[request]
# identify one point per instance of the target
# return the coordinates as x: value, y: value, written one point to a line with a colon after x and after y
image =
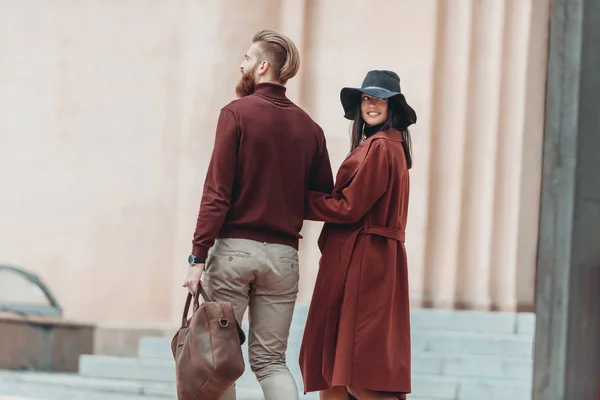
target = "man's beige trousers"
x: 262, y: 277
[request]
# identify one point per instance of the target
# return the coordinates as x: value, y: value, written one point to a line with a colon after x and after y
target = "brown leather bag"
x: 207, y: 350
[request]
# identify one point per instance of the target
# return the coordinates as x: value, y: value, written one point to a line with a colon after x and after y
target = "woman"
x: 357, y: 335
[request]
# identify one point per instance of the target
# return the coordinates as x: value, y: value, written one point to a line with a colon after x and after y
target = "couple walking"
x: 270, y: 171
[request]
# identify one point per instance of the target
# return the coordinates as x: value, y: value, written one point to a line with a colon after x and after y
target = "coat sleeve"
x: 368, y: 185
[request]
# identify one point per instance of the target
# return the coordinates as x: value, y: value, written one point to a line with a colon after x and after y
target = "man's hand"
x: 193, y: 277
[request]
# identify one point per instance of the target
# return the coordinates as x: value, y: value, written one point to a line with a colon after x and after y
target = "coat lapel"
x: 353, y: 162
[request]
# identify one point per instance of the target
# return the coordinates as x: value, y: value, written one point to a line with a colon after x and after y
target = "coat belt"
x: 337, y: 292
x: 390, y: 233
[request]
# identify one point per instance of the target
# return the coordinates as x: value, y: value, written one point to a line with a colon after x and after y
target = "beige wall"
x: 107, y: 116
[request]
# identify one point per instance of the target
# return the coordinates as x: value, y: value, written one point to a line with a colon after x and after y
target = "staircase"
x: 457, y: 355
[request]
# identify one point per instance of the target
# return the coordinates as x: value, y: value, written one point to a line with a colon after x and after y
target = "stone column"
x: 531, y: 168
x: 293, y: 25
x: 480, y: 153
x: 447, y: 143
x: 567, y: 342
x: 509, y: 151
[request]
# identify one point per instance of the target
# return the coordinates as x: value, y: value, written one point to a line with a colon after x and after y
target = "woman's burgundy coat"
x: 358, y: 328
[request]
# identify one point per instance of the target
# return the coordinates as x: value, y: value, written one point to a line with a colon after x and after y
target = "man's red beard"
x: 247, y: 84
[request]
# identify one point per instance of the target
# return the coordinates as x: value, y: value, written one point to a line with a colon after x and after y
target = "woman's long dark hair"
x: 396, y: 119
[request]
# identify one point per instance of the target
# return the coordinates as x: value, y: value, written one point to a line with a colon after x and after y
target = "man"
x: 268, y: 153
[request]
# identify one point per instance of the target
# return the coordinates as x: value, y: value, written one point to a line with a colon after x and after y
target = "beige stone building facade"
x: 107, y: 118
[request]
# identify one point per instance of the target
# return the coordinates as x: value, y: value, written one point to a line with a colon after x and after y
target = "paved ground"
x: 10, y: 391
x: 18, y: 398
x: 11, y: 388
x: 35, y: 392
x: 20, y: 385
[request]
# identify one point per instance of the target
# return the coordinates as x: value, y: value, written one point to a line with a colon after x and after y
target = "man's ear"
x: 263, y: 67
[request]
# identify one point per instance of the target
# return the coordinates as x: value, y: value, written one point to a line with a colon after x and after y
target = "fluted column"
x: 293, y: 25
x: 531, y: 171
x: 447, y: 143
x: 480, y: 153
x: 510, y: 146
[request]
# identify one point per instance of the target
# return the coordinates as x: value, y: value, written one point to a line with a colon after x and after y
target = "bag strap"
x: 203, y: 294
x: 196, y: 305
x: 200, y: 289
x: 184, y: 319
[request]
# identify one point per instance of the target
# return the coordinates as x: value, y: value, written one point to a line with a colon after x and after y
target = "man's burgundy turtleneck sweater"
x: 267, y: 154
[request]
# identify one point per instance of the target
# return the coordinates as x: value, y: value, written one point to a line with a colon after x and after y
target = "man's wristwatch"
x: 192, y: 260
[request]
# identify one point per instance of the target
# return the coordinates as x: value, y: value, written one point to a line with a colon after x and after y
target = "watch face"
x: 191, y: 259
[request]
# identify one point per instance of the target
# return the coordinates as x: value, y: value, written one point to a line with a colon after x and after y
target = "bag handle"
x: 200, y: 289
x: 184, y: 320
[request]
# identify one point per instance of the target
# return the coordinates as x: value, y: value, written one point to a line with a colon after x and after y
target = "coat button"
x: 230, y: 258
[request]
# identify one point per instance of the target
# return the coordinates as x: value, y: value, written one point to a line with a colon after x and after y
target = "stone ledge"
x: 10, y: 317
x: 43, y: 343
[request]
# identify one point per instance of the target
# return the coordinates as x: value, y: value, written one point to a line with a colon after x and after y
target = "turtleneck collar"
x: 272, y: 90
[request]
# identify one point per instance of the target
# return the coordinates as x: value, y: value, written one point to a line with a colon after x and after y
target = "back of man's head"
x: 281, y: 53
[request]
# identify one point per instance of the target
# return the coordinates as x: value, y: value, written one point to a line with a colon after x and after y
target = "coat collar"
x: 353, y: 162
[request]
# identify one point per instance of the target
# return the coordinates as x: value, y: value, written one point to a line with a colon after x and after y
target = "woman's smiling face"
x: 374, y: 111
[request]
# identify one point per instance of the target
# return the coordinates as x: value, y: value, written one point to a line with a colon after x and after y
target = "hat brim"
x: 350, y: 98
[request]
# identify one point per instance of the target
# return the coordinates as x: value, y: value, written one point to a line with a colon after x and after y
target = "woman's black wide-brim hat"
x: 380, y: 84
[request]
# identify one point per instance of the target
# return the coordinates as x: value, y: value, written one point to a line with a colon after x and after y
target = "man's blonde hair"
x: 281, y: 53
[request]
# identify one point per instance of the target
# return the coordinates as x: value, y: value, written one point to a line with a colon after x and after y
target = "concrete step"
x: 155, y: 347
x: 63, y: 386
x: 473, y: 366
x: 438, y: 331
x: 476, y: 343
x: 457, y: 355
x: 447, y: 320
x: 36, y: 381
x: 454, y: 320
x: 473, y: 321
x: 137, y: 369
x: 74, y: 387
x: 426, y: 387
x: 450, y: 365
x: 422, y: 341
x: 493, y: 389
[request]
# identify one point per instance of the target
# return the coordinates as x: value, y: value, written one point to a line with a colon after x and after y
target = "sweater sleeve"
x: 321, y: 177
x: 218, y: 185
x: 368, y: 185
